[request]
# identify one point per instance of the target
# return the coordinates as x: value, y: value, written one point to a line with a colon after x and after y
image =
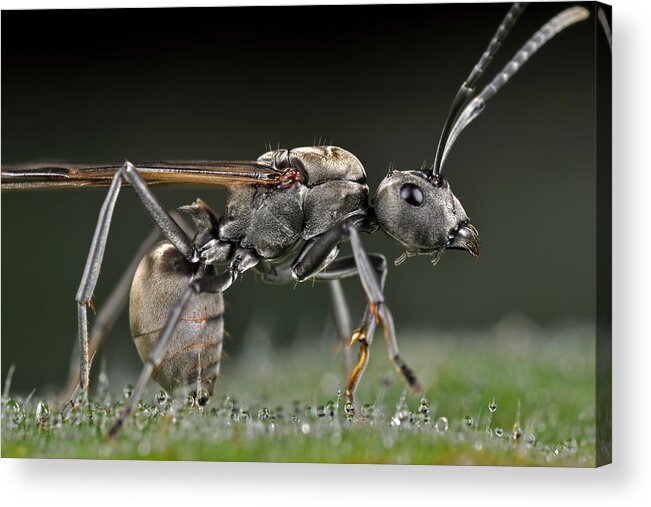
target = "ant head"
x: 423, y: 215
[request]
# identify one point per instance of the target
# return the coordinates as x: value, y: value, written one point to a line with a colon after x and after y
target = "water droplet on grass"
x: 305, y: 428
x: 517, y: 432
x: 492, y: 407
x: 245, y: 416
x: 12, y: 406
x: 441, y: 424
x: 467, y: 421
x: 162, y: 397
x: 203, y: 397
x: 263, y: 414
x: 499, y: 432
x: 127, y: 391
x: 188, y: 402
x: 320, y: 411
x: 570, y: 445
x: 228, y: 403
x: 42, y: 413
x: 530, y: 439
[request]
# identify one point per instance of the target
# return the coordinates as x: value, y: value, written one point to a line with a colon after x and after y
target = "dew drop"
x: 349, y: 409
x: 127, y: 391
x: 517, y: 432
x: 499, y: 432
x: 14, y: 410
x: 320, y: 411
x: 42, y: 413
x: 530, y: 439
x: 203, y: 397
x: 330, y: 408
x: 162, y: 397
x: 245, y: 416
x: 263, y: 414
x: 570, y: 445
x: 367, y: 410
x: 441, y: 424
x: 12, y: 406
x: 189, y: 401
x: 492, y: 407
x: 467, y: 421
x: 228, y: 403
x: 305, y: 428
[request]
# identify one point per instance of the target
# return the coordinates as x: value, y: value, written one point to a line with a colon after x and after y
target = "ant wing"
x: 224, y: 173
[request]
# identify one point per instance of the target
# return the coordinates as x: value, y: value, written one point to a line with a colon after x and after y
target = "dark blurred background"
x: 107, y: 85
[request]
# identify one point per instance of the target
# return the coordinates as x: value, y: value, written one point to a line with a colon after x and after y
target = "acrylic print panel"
x: 503, y: 353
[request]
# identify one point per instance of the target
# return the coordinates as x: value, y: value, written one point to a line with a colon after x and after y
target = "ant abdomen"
x: 194, y: 352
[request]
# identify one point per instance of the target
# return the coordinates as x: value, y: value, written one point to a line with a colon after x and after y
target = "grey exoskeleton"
x: 286, y: 215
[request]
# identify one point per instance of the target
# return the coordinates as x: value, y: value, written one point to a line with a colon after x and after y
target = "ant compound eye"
x: 412, y: 194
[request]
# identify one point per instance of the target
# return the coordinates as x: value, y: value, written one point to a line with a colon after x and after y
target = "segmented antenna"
x: 468, y: 87
x: 477, y: 105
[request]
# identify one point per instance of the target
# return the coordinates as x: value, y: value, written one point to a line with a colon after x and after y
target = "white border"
x: 627, y: 482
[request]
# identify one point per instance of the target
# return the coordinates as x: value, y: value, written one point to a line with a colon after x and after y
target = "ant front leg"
x: 169, y: 229
x: 374, y: 291
x: 372, y: 271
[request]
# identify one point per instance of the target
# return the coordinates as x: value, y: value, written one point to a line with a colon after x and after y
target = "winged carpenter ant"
x: 286, y: 215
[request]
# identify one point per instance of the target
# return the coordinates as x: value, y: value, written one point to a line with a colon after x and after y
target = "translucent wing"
x: 224, y: 173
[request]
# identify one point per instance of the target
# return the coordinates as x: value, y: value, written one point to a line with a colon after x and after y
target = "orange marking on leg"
x: 373, y: 308
x: 357, y: 370
x: 358, y: 335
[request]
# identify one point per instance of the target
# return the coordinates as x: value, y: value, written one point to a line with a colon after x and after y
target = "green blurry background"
x: 106, y: 85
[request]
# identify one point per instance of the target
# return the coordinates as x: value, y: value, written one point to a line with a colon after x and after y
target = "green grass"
x: 542, y: 384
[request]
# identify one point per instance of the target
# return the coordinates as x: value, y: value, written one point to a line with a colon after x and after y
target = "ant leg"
x: 344, y: 268
x: 108, y: 314
x: 106, y: 318
x: 168, y: 227
x: 341, y: 316
x: 372, y: 270
x: 373, y: 288
x: 207, y: 284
